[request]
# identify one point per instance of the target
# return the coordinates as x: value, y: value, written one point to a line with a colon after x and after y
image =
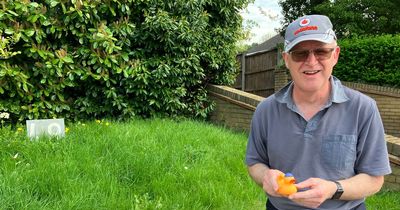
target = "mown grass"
x: 384, y: 200
x: 142, y: 164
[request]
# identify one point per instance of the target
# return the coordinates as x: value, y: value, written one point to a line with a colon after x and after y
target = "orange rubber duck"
x: 286, y: 184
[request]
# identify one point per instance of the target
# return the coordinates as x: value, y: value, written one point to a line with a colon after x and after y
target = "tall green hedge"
x: 371, y: 60
x: 84, y: 59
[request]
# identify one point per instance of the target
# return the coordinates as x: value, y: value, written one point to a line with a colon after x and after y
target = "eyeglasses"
x: 319, y: 53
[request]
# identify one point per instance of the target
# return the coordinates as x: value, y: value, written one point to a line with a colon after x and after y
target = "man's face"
x: 310, y: 71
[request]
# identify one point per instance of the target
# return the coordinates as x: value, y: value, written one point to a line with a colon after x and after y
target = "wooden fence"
x: 257, y: 72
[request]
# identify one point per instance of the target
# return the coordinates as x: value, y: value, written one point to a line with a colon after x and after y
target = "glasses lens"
x: 319, y: 53
x: 323, y: 53
x: 299, y: 55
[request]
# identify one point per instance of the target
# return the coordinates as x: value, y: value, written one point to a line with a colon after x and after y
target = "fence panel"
x: 259, y: 77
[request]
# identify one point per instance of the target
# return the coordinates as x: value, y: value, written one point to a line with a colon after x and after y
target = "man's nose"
x: 311, y: 59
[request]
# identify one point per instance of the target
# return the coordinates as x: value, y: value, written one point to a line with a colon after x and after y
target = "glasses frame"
x: 304, y: 54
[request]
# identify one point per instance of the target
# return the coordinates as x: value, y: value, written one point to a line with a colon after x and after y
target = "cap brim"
x: 325, y: 38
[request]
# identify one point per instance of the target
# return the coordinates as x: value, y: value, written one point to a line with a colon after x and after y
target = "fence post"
x: 243, y: 71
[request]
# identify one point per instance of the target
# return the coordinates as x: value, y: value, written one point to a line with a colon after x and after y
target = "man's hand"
x: 269, y: 183
x: 315, y: 192
x: 265, y: 178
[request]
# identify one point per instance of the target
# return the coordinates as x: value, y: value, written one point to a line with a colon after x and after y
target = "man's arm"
x: 360, y: 186
x: 319, y: 190
x: 257, y: 172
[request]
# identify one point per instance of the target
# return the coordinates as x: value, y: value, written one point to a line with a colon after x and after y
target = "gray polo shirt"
x: 345, y: 138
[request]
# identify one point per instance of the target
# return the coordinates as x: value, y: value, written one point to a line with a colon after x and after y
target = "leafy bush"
x: 116, y: 58
x: 372, y: 60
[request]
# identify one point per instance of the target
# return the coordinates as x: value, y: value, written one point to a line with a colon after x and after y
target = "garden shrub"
x: 81, y: 59
x: 370, y: 59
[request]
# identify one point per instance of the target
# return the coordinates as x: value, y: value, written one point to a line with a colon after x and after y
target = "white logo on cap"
x: 304, y: 22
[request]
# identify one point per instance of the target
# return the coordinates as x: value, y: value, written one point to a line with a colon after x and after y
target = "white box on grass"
x: 47, y: 127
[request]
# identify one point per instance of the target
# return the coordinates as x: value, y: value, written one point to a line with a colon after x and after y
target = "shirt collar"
x: 337, y: 93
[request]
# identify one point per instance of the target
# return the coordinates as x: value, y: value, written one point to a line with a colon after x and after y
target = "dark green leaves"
x: 372, y: 59
x: 93, y: 59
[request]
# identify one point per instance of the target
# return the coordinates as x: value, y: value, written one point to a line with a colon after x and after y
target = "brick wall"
x: 393, y: 180
x: 235, y: 108
x: 282, y: 77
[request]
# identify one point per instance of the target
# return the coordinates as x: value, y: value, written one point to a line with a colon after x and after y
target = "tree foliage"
x: 82, y: 59
x: 349, y: 17
x: 292, y: 9
x: 363, y: 17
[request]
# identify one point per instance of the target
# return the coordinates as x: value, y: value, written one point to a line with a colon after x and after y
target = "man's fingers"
x: 301, y: 195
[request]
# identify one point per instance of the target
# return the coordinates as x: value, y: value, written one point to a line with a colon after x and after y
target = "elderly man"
x: 331, y: 138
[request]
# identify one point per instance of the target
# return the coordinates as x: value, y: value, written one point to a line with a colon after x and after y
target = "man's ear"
x: 285, y: 57
x: 337, y: 53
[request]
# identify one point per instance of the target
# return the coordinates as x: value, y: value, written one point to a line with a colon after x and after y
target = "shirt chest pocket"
x: 339, y: 151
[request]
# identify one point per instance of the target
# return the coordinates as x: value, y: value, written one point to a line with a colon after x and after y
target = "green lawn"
x: 142, y: 164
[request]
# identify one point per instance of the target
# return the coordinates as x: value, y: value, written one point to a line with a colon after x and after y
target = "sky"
x: 267, y: 14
